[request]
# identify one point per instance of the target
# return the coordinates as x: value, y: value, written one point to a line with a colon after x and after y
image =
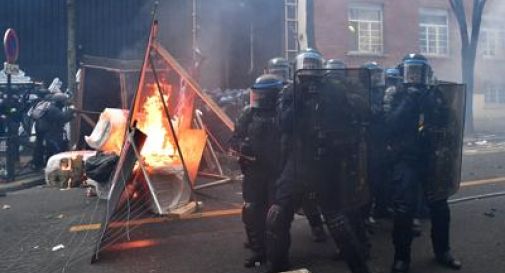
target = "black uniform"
x: 308, y: 202
x: 316, y: 171
x: 406, y: 109
x: 257, y: 140
x: 378, y: 162
x: 49, y: 128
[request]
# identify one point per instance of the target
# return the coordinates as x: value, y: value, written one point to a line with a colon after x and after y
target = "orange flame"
x: 159, y: 150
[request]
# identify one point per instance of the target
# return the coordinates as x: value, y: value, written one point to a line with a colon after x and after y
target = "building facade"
x: 359, y: 31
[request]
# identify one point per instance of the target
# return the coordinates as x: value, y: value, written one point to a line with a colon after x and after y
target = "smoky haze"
x: 236, y: 38
x: 488, y: 69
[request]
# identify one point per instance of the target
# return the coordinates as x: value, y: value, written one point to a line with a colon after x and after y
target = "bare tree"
x: 469, y: 43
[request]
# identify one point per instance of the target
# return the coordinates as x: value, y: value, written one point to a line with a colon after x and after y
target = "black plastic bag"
x: 100, y: 166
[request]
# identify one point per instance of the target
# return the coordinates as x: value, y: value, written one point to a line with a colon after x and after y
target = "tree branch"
x: 459, y: 11
x: 478, y: 9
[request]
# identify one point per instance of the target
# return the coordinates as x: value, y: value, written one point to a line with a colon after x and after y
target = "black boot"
x: 257, y: 246
x: 255, y: 259
x: 400, y: 266
x: 402, y: 240
x: 447, y: 260
x: 277, y: 268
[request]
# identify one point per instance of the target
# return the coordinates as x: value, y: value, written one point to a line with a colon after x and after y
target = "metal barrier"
x: 20, y: 161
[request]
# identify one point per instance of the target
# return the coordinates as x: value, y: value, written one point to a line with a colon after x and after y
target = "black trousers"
x: 48, y: 144
x: 311, y: 209
x: 257, y: 193
x: 345, y: 226
x: 406, y: 190
x: 39, y: 160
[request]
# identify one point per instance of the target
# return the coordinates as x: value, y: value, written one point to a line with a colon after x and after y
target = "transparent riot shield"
x: 442, y: 137
x: 331, y: 116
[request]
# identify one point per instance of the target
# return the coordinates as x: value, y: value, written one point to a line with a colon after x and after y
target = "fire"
x: 159, y: 150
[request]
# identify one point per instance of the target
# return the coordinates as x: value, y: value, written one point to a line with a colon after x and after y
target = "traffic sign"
x: 11, y: 46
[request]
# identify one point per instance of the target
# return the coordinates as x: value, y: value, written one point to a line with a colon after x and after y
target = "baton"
x: 79, y: 111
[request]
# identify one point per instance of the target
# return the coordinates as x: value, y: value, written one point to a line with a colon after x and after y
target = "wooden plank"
x: 194, y: 85
x: 88, y: 120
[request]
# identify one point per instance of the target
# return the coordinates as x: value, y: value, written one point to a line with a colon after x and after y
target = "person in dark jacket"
x: 256, y: 141
x: 308, y: 205
x: 50, y: 118
x: 405, y: 110
x: 310, y: 164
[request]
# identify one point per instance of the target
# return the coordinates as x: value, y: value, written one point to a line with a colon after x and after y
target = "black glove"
x: 273, y: 213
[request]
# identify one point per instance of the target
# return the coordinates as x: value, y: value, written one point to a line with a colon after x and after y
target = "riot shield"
x: 442, y: 137
x: 331, y: 116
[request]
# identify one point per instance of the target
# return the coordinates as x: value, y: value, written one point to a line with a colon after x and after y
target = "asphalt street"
x: 49, y: 230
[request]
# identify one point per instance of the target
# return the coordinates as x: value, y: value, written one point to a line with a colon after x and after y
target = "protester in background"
x: 50, y: 116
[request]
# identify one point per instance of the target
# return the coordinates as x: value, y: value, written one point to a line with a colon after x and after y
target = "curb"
x: 25, y: 183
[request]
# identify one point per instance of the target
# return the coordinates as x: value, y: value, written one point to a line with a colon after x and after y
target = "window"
x: 494, y: 93
x: 365, y: 28
x: 492, y: 35
x: 291, y: 29
x: 434, y: 32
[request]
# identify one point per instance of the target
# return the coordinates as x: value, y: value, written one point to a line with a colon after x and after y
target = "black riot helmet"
x: 376, y: 74
x: 279, y: 66
x: 392, y: 76
x: 309, y: 59
x: 264, y: 92
x: 416, y: 70
x: 334, y: 64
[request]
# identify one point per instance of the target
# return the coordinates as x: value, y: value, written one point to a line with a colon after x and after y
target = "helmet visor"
x: 415, y: 73
x: 263, y: 99
x: 282, y: 72
x: 308, y: 61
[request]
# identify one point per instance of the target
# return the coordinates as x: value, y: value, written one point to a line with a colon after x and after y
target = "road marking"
x: 80, y: 228
x: 230, y: 212
x: 483, y: 182
x: 154, y: 220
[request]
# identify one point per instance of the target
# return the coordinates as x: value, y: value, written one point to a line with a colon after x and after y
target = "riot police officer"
x: 334, y: 64
x: 392, y: 77
x: 310, y: 165
x: 280, y: 66
x: 256, y: 139
x: 406, y: 111
x: 50, y: 118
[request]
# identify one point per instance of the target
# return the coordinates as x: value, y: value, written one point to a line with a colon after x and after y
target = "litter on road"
x: 58, y: 247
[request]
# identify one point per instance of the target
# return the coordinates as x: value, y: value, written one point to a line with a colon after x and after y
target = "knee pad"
x: 249, y: 213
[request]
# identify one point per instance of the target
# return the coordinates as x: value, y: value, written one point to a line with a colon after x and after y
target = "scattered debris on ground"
x: 58, y: 247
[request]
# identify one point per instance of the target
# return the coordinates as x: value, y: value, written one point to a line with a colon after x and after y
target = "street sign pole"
x: 11, y: 47
x: 11, y: 135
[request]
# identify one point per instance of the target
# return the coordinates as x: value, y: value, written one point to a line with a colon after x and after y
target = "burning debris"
x: 159, y: 151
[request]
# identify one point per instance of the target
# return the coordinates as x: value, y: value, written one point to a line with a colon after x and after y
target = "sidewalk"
x: 23, y: 182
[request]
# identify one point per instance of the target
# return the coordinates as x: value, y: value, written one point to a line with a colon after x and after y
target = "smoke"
x: 493, y: 30
x: 138, y: 24
x: 489, y: 83
x: 235, y: 38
